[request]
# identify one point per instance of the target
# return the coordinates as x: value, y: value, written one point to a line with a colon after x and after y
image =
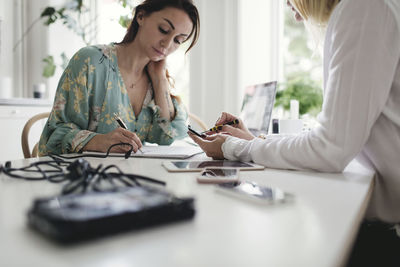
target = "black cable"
x: 79, y: 176
x: 8, y: 170
x: 127, y: 154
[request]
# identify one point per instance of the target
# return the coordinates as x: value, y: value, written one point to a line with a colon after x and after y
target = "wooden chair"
x: 25, y: 135
x: 197, y: 120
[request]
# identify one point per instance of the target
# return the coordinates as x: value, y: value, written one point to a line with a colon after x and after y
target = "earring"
x: 139, y: 17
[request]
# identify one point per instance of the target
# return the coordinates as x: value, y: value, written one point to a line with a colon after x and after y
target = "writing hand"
x: 102, y: 142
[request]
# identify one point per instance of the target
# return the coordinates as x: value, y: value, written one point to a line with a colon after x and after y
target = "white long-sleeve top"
x: 361, y: 111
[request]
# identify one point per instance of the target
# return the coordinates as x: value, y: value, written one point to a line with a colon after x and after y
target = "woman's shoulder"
x: 93, y: 52
x: 84, y: 53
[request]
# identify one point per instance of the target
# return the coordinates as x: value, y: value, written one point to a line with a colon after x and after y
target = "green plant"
x: 303, y: 89
x: 125, y: 20
x: 302, y: 69
x: 71, y: 15
x: 50, y: 68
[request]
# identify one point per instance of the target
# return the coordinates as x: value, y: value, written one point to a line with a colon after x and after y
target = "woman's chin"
x: 156, y: 58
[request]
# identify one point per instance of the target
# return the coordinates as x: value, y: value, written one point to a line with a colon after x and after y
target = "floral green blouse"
x: 91, y: 90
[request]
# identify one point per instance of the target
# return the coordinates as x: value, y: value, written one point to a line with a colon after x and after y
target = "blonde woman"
x: 360, y: 115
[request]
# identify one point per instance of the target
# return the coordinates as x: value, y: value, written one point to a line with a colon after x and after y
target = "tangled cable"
x: 79, y: 176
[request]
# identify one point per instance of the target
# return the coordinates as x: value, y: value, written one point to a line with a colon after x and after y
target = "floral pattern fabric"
x: 91, y: 90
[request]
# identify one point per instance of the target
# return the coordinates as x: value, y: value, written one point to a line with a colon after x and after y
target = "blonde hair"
x: 317, y: 12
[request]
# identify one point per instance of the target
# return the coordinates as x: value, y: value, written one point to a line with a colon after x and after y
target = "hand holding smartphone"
x: 216, y: 175
x: 201, y: 135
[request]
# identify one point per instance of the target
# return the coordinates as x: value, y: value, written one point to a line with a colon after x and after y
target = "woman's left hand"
x: 211, y: 144
x: 156, y: 70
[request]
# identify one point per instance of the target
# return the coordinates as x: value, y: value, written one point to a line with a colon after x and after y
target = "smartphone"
x: 199, y: 165
x: 254, y: 192
x: 218, y: 175
x: 72, y: 218
x: 201, y: 135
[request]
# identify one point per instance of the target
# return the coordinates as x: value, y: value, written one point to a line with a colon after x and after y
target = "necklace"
x: 125, y: 74
x: 133, y: 85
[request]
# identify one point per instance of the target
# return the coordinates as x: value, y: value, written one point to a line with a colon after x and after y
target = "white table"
x: 317, y: 229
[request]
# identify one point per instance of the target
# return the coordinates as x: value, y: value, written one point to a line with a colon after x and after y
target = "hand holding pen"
x: 231, y: 125
x: 218, y: 127
x: 228, y: 119
x: 128, y: 135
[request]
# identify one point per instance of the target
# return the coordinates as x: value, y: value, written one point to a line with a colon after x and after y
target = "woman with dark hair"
x: 127, y: 79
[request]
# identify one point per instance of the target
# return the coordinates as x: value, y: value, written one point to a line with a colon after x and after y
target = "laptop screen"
x: 257, y: 107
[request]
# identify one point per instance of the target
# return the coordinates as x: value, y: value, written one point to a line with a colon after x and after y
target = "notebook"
x: 159, y: 151
x: 168, y: 152
x: 257, y: 107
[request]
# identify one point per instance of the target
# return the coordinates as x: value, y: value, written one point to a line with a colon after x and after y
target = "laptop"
x: 257, y: 106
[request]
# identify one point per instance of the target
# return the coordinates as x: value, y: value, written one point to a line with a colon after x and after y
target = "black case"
x: 72, y: 218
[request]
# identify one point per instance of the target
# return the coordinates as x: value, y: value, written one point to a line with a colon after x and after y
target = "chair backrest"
x: 197, y: 120
x: 25, y: 135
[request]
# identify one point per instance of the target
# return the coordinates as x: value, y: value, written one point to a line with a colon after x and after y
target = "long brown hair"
x: 150, y: 6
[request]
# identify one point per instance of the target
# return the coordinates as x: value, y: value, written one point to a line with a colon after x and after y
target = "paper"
x: 164, y: 152
x: 168, y: 152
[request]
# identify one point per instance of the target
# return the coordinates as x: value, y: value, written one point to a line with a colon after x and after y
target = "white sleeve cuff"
x: 236, y: 149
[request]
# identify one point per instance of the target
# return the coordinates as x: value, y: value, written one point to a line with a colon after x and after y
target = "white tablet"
x: 191, y: 166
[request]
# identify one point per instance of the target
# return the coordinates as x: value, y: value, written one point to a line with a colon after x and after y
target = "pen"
x: 122, y: 124
x: 219, y: 127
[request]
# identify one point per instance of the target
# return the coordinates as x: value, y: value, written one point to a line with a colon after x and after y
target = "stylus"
x: 219, y: 127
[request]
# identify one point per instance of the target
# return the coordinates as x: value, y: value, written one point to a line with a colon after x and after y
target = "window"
x: 302, y: 68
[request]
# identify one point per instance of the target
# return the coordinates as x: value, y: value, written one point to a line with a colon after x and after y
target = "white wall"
x: 238, y: 46
x: 214, y: 61
x: 24, y: 64
x: 6, y: 34
x: 260, y: 32
x: 22, y: 53
x: 67, y: 42
x: 36, y: 46
x: 7, y: 38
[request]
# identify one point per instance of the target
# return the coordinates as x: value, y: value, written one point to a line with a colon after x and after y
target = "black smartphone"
x: 71, y: 218
x: 201, y: 135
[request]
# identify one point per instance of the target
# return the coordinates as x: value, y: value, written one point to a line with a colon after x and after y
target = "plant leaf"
x: 65, y: 60
x: 124, y: 21
x: 303, y: 89
x: 48, y: 11
x: 49, y: 68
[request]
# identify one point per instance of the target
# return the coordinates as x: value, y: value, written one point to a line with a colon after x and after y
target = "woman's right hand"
x: 237, y: 130
x: 102, y: 142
